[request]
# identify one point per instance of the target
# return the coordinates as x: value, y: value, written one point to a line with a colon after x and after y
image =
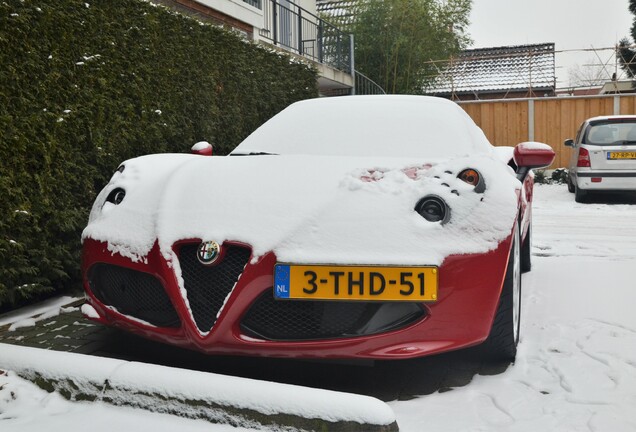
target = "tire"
x: 580, y: 195
x: 570, y: 185
x: 526, y: 252
x: 501, y: 344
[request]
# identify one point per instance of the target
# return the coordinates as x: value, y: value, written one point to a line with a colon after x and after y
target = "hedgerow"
x: 86, y: 84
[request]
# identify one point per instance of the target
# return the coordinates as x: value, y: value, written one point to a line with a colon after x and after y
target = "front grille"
x: 207, y: 287
x: 310, y: 320
x: 133, y: 293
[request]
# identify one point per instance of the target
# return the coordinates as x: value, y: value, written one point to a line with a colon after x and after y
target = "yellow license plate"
x: 360, y: 283
x: 621, y: 155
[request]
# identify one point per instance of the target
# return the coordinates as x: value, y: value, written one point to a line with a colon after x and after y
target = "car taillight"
x: 584, y: 158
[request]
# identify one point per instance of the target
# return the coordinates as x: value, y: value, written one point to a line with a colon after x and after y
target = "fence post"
x: 530, y: 119
x: 352, y: 62
x: 275, y: 21
x: 319, y: 41
x: 300, y: 32
x: 338, y: 50
x: 617, y: 105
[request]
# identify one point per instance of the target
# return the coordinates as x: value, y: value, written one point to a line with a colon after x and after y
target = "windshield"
x: 614, y: 132
x: 384, y: 126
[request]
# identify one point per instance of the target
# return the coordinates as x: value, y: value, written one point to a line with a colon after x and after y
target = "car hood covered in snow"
x: 306, y: 209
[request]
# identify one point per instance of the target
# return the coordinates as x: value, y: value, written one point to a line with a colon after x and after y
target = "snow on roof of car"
x: 383, y: 125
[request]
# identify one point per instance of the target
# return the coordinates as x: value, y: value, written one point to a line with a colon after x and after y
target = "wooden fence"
x: 507, y: 122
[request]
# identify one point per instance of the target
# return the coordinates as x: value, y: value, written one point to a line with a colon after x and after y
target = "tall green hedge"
x: 86, y: 84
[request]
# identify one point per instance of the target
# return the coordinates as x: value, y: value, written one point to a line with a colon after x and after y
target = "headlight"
x: 116, y: 196
x: 433, y: 209
x: 472, y: 177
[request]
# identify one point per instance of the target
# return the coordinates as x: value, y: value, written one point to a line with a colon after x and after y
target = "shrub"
x: 540, y: 177
x: 86, y: 84
x: 557, y: 176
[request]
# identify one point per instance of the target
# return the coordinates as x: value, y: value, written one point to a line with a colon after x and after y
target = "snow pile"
x: 24, y: 407
x: 190, y: 393
x: 30, y: 315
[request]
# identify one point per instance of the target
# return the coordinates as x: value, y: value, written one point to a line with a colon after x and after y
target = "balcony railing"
x: 363, y: 85
x: 293, y: 28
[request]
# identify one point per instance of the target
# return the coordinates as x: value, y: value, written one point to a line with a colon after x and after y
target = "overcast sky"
x: 570, y: 24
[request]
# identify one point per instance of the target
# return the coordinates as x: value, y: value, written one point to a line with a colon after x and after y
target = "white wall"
x: 238, y: 9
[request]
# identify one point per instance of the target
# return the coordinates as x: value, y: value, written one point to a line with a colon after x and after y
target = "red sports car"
x: 378, y: 227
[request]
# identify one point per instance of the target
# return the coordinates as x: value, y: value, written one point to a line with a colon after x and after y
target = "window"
x: 612, y: 132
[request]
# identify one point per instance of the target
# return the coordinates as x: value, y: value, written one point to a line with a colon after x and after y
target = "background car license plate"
x: 364, y: 283
x: 621, y: 155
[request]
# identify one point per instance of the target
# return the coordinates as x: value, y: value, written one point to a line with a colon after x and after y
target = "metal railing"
x: 297, y: 30
x: 363, y: 85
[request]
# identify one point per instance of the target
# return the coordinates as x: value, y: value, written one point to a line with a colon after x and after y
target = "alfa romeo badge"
x: 208, y: 252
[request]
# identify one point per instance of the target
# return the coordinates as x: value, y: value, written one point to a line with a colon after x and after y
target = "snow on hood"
x: 306, y: 209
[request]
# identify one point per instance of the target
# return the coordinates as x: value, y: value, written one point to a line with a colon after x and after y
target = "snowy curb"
x: 198, y: 395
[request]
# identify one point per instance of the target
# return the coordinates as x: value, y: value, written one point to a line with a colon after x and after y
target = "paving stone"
x: 91, y: 347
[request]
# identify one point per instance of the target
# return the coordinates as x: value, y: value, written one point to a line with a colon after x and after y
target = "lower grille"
x: 207, y: 287
x: 310, y: 320
x: 133, y: 293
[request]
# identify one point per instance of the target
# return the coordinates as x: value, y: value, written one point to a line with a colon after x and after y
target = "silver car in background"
x: 604, y: 156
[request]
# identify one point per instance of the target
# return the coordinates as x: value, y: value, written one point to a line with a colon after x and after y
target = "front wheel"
x: 501, y: 344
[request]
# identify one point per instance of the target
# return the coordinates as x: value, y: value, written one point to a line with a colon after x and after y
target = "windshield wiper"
x: 254, y: 154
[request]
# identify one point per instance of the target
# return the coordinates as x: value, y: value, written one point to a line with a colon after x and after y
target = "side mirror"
x: 531, y: 155
x: 202, y: 148
x: 569, y: 143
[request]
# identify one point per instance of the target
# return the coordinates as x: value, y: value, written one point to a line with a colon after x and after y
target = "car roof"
x: 381, y: 125
x: 611, y: 117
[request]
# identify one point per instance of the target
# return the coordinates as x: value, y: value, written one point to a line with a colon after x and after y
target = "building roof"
x: 495, y: 70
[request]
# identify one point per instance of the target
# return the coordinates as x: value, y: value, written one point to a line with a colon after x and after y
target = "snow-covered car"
x: 380, y: 227
x: 603, y: 156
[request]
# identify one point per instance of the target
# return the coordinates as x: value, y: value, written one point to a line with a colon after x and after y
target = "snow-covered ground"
x: 576, y: 367
x: 30, y: 315
x: 26, y: 408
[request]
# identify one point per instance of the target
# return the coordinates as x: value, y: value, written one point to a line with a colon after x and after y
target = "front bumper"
x: 469, y: 289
